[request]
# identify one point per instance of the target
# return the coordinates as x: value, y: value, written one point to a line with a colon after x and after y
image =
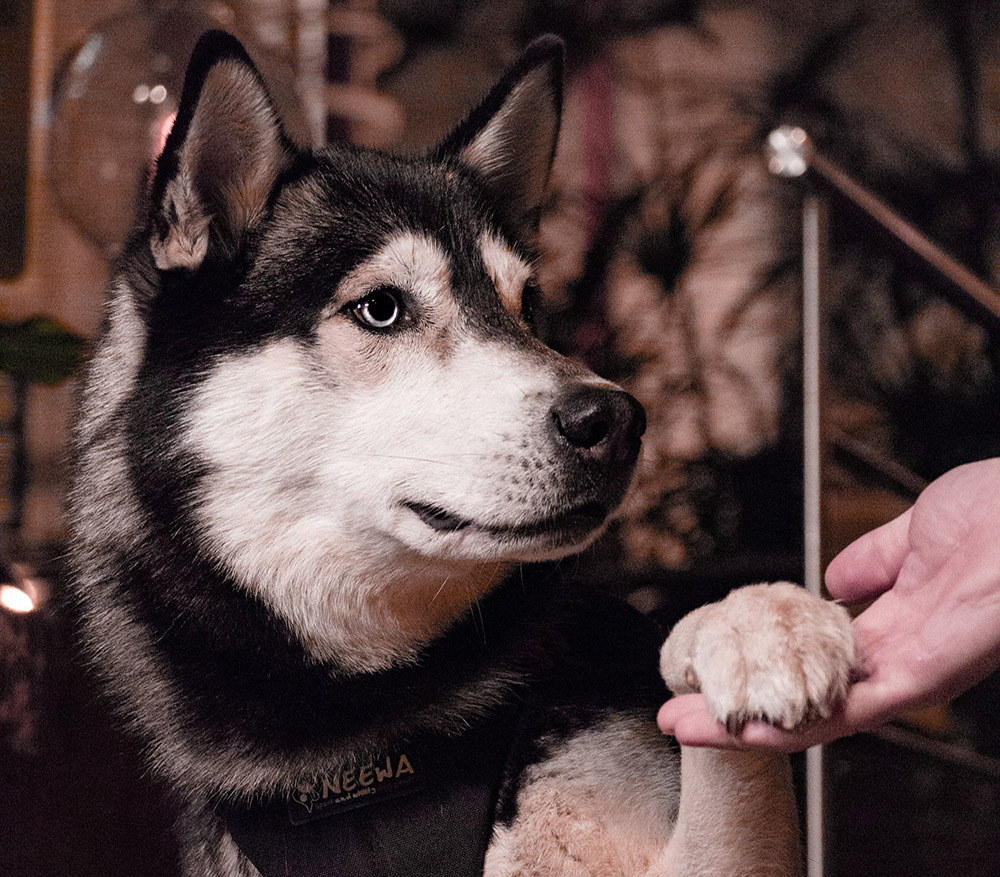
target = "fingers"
x: 687, y: 719
x: 869, y: 565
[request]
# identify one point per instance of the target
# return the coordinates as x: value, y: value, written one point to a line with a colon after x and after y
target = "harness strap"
x: 425, y: 810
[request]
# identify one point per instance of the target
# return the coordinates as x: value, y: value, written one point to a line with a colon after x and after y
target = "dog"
x: 322, y: 467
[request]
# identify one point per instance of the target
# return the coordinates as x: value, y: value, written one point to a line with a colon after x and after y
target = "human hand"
x: 932, y: 632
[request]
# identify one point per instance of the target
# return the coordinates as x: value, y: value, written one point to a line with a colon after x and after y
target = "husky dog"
x: 317, y: 438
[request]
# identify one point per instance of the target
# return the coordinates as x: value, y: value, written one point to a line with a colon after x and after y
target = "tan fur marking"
x: 507, y: 270
x: 424, y: 604
x: 737, y: 816
x: 410, y: 262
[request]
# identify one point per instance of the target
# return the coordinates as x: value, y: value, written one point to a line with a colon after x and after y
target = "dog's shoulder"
x: 590, y: 777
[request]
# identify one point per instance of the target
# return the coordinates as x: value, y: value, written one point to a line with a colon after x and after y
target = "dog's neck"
x: 362, y: 627
x: 272, y: 711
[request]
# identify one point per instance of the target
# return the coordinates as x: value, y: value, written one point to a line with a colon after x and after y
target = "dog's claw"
x: 735, y: 725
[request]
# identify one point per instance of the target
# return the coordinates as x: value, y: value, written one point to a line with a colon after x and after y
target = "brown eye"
x: 382, y: 308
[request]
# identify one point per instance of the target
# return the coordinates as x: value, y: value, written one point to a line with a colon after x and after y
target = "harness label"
x: 389, y: 777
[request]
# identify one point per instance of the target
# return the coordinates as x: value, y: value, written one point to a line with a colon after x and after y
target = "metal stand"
x: 791, y: 154
x: 788, y: 150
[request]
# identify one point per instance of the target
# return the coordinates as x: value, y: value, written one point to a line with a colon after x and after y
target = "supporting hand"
x: 932, y: 631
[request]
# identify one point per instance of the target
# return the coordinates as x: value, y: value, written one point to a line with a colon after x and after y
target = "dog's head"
x: 338, y: 366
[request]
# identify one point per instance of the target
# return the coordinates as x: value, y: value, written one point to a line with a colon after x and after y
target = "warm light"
x: 789, y: 151
x: 16, y: 600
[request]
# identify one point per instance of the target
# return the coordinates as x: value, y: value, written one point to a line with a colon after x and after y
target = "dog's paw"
x: 770, y: 652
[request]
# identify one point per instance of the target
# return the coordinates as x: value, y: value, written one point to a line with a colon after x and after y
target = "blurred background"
x: 672, y: 263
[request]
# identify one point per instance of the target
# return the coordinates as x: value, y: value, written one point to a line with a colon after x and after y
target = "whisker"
x: 373, y: 454
x: 482, y: 621
x: 439, y: 590
x: 477, y: 612
x: 482, y: 455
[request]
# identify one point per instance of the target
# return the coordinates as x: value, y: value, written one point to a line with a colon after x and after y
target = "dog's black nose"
x: 605, y: 423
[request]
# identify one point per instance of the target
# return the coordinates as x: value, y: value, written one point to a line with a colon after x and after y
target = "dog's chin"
x: 547, y: 537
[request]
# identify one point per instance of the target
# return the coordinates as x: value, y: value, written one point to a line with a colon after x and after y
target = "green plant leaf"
x: 39, y: 351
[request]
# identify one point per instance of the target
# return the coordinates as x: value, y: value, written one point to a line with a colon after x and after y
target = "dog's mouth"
x: 566, y: 525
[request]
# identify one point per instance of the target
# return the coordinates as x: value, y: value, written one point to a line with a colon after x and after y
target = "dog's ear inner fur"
x: 223, y: 156
x: 509, y: 140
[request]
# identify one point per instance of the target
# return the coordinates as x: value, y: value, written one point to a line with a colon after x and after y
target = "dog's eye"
x: 382, y: 308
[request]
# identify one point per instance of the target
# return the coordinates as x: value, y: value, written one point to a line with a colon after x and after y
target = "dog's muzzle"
x: 596, y: 433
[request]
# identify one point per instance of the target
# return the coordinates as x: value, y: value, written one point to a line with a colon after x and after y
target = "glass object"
x: 113, y: 102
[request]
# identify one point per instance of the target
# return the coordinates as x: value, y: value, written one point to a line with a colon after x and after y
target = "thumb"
x: 870, y: 564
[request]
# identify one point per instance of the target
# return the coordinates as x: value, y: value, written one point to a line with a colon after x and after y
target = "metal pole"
x: 812, y: 473
x: 789, y: 153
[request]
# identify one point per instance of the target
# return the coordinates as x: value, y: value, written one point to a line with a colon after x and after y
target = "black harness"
x: 424, y: 810
x: 427, y: 809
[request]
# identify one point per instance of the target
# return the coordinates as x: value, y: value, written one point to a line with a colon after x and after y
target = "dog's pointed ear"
x: 219, y: 165
x: 509, y: 140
